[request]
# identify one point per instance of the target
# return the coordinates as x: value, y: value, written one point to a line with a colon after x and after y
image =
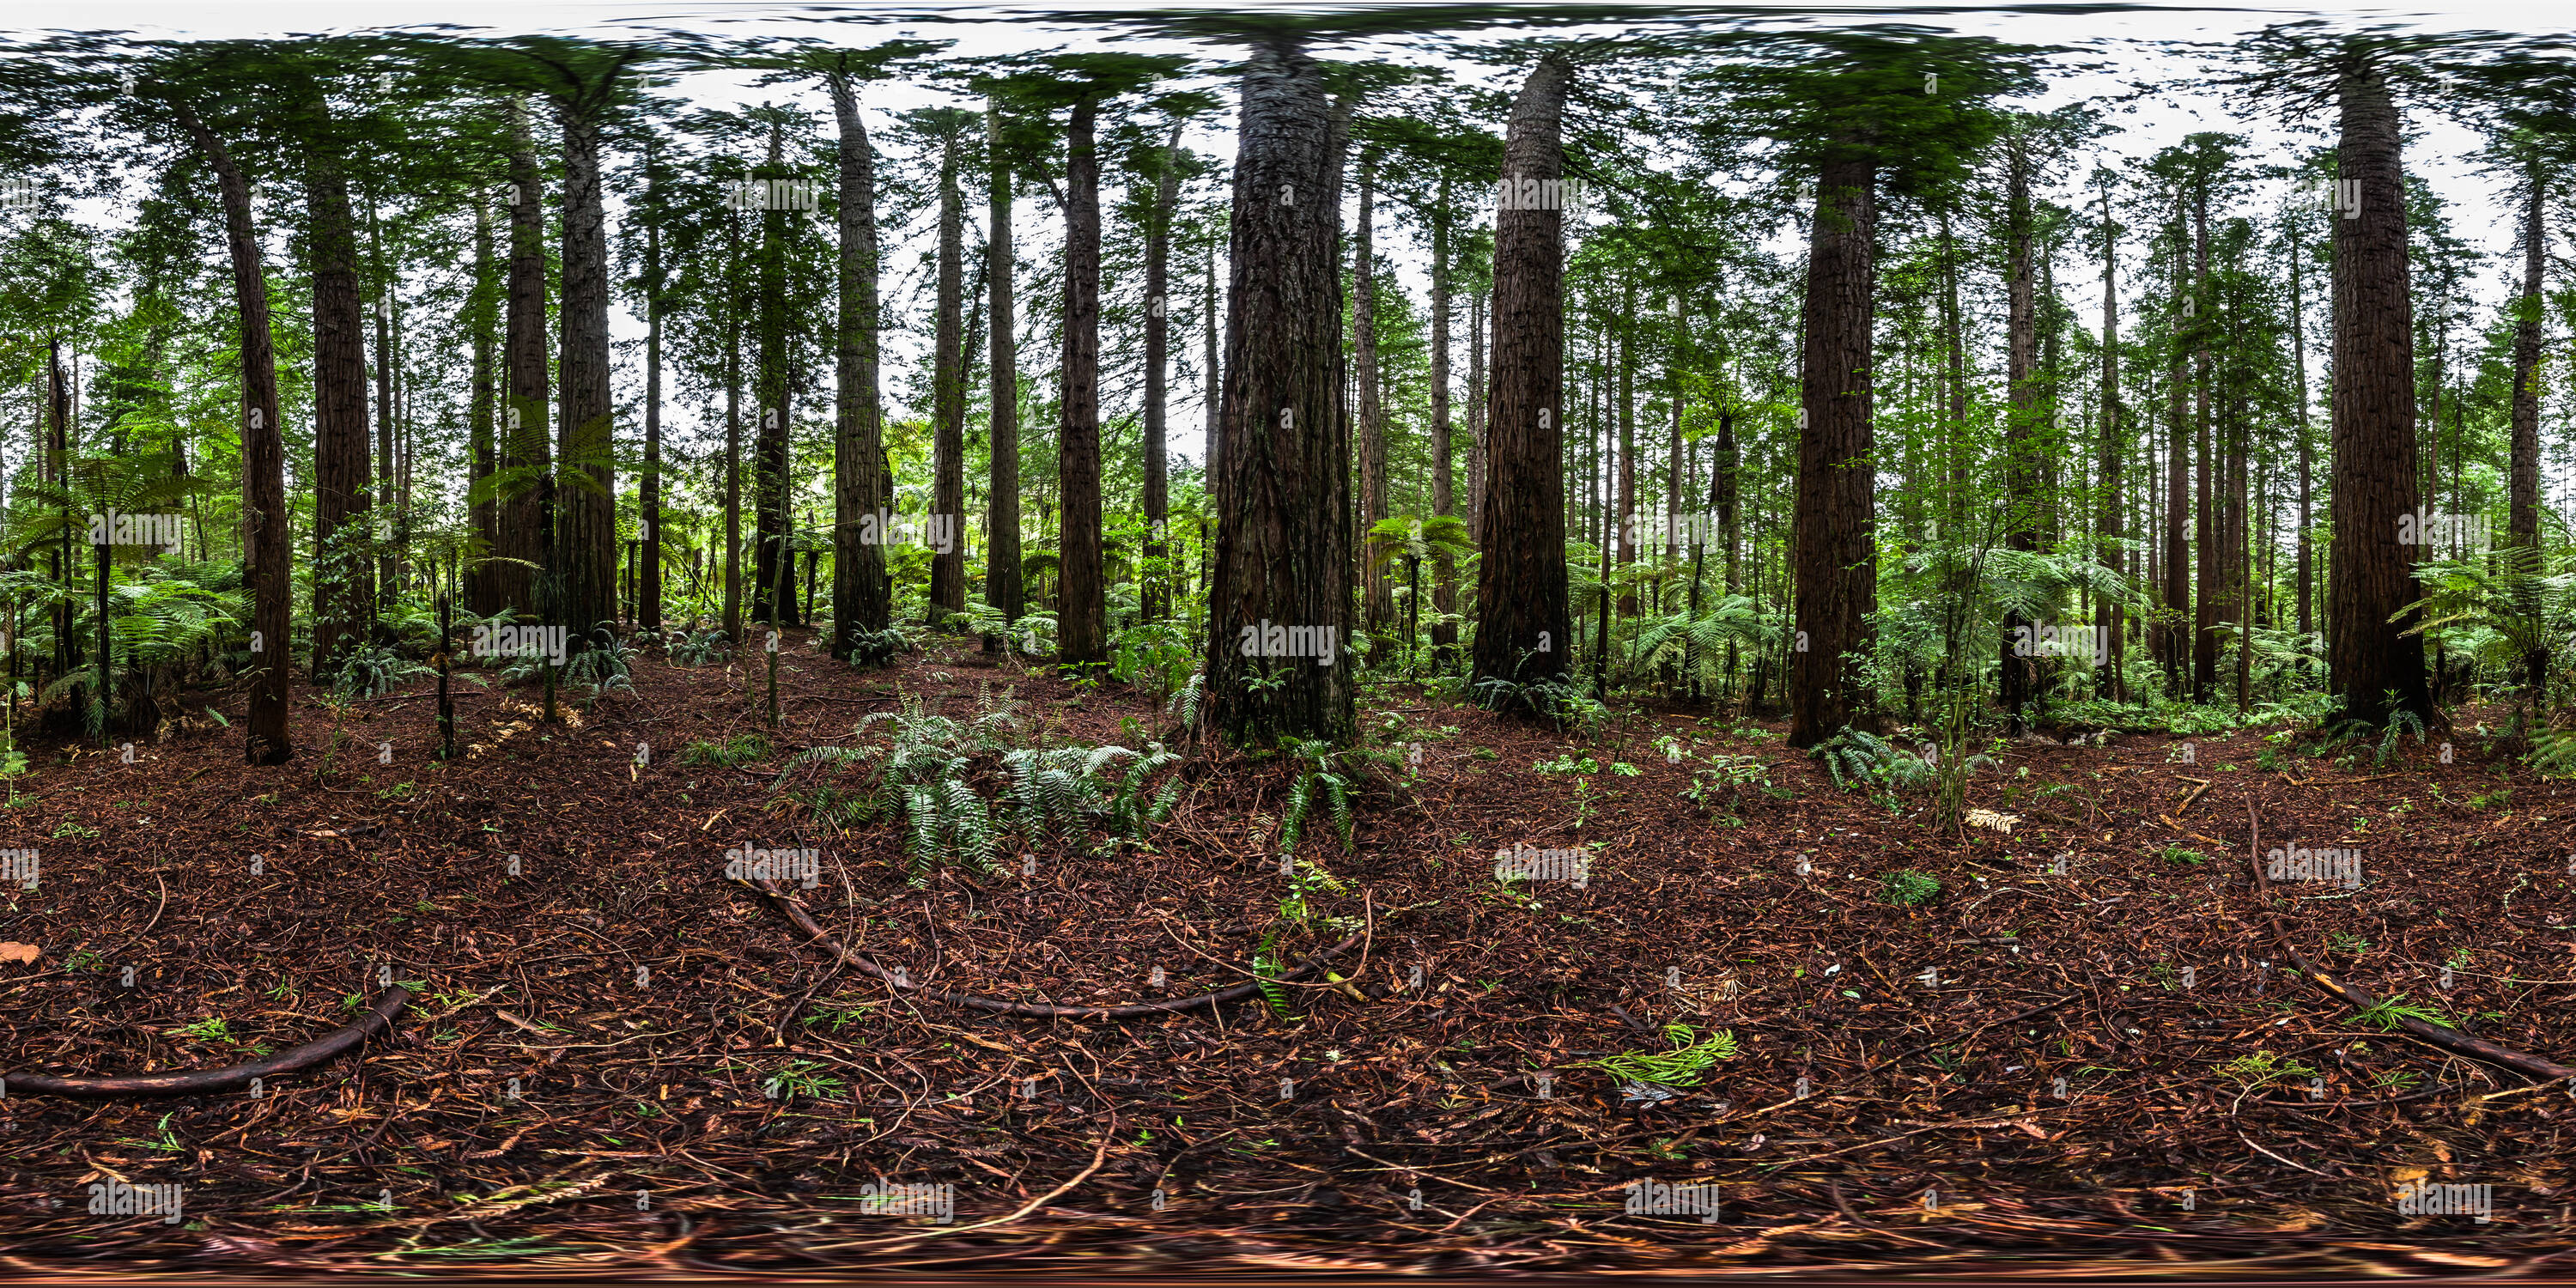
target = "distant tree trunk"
x: 1627, y: 451
x: 1524, y: 622
x: 948, y: 388
x: 2021, y: 383
x: 526, y: 491
x: 1212, y: 380
x: 2109, y: 623
x: 2206, y: 538
x: 1836, y: 562
x: 2374, y: 666
x: 586, y: 471
x: 387, y: 363
x: 1377, y: 596
x: 773, y: 593
x: 267, y: 534
x: 1444, y: 581
x: 1158, y: 281
x: 2299, y: 348
x: 1082, y: 626
x: 2522, y: 522
x: 648, y: 591
x: 481, y: 596
x: 341, y: 588
x: 1675, y: 478
x: 1002, y: 581
x: 859, y: 599
x: 2177, y: 562
x: 1283, y: 559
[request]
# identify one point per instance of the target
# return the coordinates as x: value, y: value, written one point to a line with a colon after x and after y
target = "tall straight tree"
x: 481, y: 317
x: 861, y: 598
x: 1524, y: 620
x: 342, y: 591
x: 648, y: 592
x: 267, y: 525
x: 947, y: 128
x: 1377, y: 596
x: 585, y: 556
x: 1283, y: 558
x: 524, y: 481
x: 1444, y: 594
x: 2022, y: 501
x: 2372, y: 661
x: 2109, y: 622
x: 1164, y: 165
x: 1002, y: 582
x: 773, y: 596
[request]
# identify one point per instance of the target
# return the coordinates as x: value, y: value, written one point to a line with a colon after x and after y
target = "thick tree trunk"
x: 2371, y: 662
x: 859, y: 600
x: 1002, y: 582
x: 1283, y: 559
x: 526, y: 515
x: 948, y: 390
x: 586, y: 471
x: 1837, y: 565
x: 342, y: 590
x: 267, y: 532
x: 1082, y: 626
x: 1524, y: 623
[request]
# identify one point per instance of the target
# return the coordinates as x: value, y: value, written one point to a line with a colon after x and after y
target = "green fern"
x: 1684, y: 1065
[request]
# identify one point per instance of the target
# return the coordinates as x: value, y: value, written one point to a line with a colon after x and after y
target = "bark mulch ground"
x: 2085, y: 1054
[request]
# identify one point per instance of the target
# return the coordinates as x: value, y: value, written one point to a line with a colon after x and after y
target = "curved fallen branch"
x: 2359, y: 998
x: 813, y: 929
x: 321, y: 1050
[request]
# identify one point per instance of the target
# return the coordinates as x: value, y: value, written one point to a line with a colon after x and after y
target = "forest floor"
x: 700, y: 1087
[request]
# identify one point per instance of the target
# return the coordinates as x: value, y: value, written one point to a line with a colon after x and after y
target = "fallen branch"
x: 2359, y: 998
x: 321, y: 1050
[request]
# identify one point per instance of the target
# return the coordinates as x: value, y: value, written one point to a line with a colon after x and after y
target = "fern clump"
x: 1319, y: 781
x: 1859, y: 758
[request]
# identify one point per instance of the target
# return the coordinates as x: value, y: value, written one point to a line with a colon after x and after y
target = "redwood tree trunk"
x: 1377, y: 594
x: 773, y: 591
x: 1283, y: 557
x: 525, y: 495
x: 2021, y: 467
x: 1082, y: 627
x: 1524, y: 624
x: 480, y: 595
x: 267, y: 536
x: 2109, y: 622
x: 2372, y: 577
x: 1837, y: 566
x: 648, y: 592
x: 1158, y: 280
x: 341, y: 587
x: 1444, y: 578
x: 859, y: 600
x: 586, y: 496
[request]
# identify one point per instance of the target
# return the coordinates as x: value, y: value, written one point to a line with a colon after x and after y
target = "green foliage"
x: 733, y: 753
x: 1319, y: 780
x: 1156, y: 657
x: 2261, y: 1069
x: 1696, y: 646
x: 877, y: 648
x: 1908, y: 888
x: 1859, y: 758
x: 1689, y: 1060
x: 2391, y: 1013
x: 372, y: 670
x: 700, y: 648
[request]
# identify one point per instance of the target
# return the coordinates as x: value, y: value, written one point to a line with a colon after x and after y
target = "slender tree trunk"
x: 2205, y: 524
x: 1628, y: 447
x: 2021, y: 424
x: 2371, y: 662
x: 1444, y: 577
x: 340, y: 456
x: 526, y: 489
x: 648, y: 591
x: 382, y: 601
x: 1082, y: 627
x: 2299, y: 348
x: 1477, y: 469
x: 267, y: 528
x: 1524, y: 627
x: 1836, y: 562
x: 2177, y: 569
x: 1158, y: 283
x: 481, y: 596
x: 948, y: 389
x: 1002, y: 582
x: 2522, y: 522
x: 859, y: 599
x: 773, y: 593
x: 1377, y: 596
x: 1283, y: 549
x: 2109, y: 622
